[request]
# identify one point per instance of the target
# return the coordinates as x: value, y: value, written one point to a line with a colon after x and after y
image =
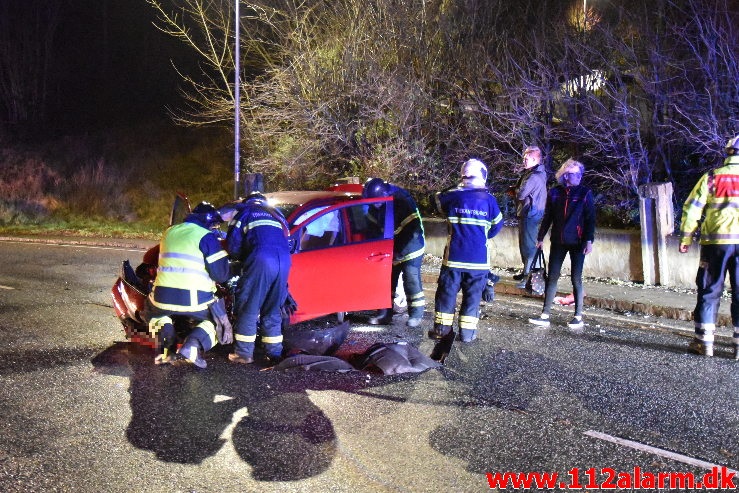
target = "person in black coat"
x: 570, y: 213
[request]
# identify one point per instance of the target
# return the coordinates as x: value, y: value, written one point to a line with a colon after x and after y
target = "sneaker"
x: 576, y: 323
x: 700, y: 348
x: 413, y: 322
x: 520, y: 276
x: 240, y: 360
x: 542, y: 320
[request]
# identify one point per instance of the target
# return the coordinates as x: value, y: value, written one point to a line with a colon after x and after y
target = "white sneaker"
x: 542, y: 320
x: 576, y: 323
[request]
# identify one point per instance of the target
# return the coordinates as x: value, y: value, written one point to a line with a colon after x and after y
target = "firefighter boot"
x: 439, y: 331
x: 190, y: 353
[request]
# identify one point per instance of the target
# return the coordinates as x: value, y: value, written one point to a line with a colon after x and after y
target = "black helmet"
x: 207, y: 214
x: 374, y: 188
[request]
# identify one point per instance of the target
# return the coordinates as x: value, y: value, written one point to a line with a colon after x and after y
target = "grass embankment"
x: 118, y: 183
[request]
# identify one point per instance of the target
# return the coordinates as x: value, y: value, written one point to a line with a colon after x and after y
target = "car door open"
x: 342, y: 261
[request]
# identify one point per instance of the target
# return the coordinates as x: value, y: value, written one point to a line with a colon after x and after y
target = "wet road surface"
x: 83, y: 410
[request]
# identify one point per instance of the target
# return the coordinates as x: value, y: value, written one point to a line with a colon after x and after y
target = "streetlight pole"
x: 237, y: 104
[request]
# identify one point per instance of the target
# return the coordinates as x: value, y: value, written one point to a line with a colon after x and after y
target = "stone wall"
x: 616, y: 254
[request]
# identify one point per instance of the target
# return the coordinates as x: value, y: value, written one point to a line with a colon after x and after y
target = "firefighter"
x: 716, y: 195
x: 257, y: 236
x: 191, y: 262
x: 408, y: 247
x: 473, y: 217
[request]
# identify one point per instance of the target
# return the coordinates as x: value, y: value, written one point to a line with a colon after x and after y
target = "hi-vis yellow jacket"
x: 191, y: 261
x: 716, y: 195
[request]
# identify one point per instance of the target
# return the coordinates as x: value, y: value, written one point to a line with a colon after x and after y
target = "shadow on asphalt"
x: 180, y: 413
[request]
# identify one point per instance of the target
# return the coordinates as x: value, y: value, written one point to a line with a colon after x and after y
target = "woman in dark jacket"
x: 570, y: 212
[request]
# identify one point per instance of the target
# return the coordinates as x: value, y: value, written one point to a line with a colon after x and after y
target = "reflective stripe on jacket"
x: 409, y: 237
x: 717, y: 196
x: 473, y: 216
x: 183, y: 284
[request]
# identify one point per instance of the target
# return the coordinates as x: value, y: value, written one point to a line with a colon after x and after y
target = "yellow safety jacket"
x: 182, y: 283
x: 715, y: 196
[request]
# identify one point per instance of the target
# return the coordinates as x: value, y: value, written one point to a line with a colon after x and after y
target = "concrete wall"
x: 616, y: 254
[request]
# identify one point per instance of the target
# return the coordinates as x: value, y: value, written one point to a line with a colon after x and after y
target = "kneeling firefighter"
x: 191, y: 262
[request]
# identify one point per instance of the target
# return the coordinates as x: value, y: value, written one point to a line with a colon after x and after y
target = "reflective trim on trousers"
x: 443, y: 318
x: 210, y: 330
x: 272, y: 339
x: 705, y: 332
x: 467, y: 322
x: 244, y: 338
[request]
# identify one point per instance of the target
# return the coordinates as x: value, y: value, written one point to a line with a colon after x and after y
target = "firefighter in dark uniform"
x: 257, y: 236
x: 191, y: 262
x: 408, y: 248
x: 716, y: 195
x: 473, y: 217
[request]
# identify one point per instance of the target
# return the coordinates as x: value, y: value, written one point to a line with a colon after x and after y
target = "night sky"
x: 113, y: 66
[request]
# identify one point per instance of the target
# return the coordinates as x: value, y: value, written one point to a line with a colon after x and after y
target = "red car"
x: 339, y: 262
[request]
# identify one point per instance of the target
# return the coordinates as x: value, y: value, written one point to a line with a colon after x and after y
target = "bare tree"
x: 27, y: 31
x: 408, y: 89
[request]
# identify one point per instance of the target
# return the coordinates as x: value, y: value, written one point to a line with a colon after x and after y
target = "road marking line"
x: 654, y: 450
x: 6, y: 287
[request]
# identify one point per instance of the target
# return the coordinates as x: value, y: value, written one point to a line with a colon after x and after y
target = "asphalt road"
x: 83, y: 410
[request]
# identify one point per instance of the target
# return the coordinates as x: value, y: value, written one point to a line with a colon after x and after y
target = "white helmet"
x: 732, y: 146
x: 474, y: 174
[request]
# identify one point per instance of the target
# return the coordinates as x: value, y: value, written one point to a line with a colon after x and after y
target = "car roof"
x: 295, y: 202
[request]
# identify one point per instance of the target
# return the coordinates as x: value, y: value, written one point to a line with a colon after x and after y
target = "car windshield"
x: 286, y: 209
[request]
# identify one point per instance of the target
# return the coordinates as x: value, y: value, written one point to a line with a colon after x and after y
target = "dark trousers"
x: 260, y: 293
x: 450, y: 282
x: 715, y: 262
x: 557, y: 254
x: 411, y: 270
x: 161, y: 326
x: 528, y: 228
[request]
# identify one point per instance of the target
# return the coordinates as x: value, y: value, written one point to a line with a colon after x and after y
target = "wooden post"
x: 657, y: 223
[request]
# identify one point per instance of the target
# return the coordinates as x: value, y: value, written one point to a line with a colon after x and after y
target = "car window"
x: 322, y: 231
x: 366, y: 222
x: 341, y: 226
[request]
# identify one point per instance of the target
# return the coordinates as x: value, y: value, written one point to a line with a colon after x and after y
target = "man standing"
x: 258, y: 238
x: 473, y: 217
x: 717, y: 196
x: 408, y: 248
x: 531, y: 196
x: 191, y: 262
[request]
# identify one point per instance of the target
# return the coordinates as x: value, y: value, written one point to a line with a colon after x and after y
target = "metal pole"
x: 237, y: 104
